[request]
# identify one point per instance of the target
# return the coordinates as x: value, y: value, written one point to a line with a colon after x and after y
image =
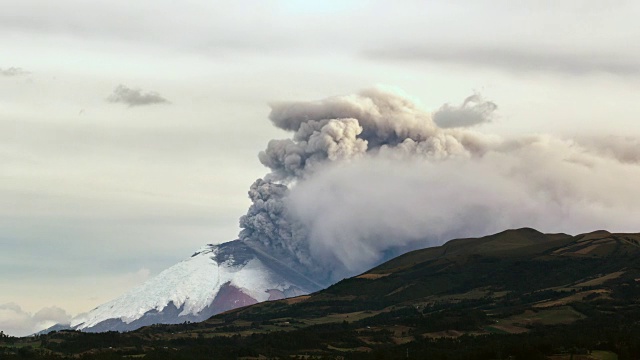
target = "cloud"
x: 223, y: 28
x: 367, y: 176
x: 135, y: 97
x: 16, y: 322
x: 473, y: 111
x: 210, y: 27
x: 358, y: 213
x: 515, y: 59
x: 13, y: 71
x: 623, y: 149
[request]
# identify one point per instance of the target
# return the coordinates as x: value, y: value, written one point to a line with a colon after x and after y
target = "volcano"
x: 215, y: 279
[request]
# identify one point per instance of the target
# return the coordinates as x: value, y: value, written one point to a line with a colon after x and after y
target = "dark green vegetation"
x: 519, y: 294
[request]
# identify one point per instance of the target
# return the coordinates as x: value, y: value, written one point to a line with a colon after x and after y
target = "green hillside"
x: 520, y: 294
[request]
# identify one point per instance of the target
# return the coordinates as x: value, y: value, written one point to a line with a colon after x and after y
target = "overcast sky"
x: 129, y: 131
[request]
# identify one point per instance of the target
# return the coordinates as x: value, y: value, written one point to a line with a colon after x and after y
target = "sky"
x: 129, y: 131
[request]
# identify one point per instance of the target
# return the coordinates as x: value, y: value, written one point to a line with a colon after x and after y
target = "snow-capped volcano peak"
x: 214, y: 279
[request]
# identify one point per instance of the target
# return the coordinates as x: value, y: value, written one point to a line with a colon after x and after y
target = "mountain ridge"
x: 519, y: 293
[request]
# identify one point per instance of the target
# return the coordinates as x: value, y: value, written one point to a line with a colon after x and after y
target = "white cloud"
x: 16, y: 322
x: 358, y: 211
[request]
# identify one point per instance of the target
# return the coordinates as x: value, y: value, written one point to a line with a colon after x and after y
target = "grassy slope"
x: 516, y: 282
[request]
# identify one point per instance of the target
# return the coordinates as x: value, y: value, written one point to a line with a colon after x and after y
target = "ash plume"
x: 367, y: 176
x: 269, y: 225
x: 346, y: 127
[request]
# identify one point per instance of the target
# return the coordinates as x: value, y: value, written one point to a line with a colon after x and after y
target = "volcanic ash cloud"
x: 368, y: 176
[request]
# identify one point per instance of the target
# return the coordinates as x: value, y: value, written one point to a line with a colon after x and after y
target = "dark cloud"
x: 135, y: 97
x: 13, y: 71
x: 515, y: 59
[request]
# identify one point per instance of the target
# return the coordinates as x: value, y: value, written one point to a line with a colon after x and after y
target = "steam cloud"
x: 365, y: 177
